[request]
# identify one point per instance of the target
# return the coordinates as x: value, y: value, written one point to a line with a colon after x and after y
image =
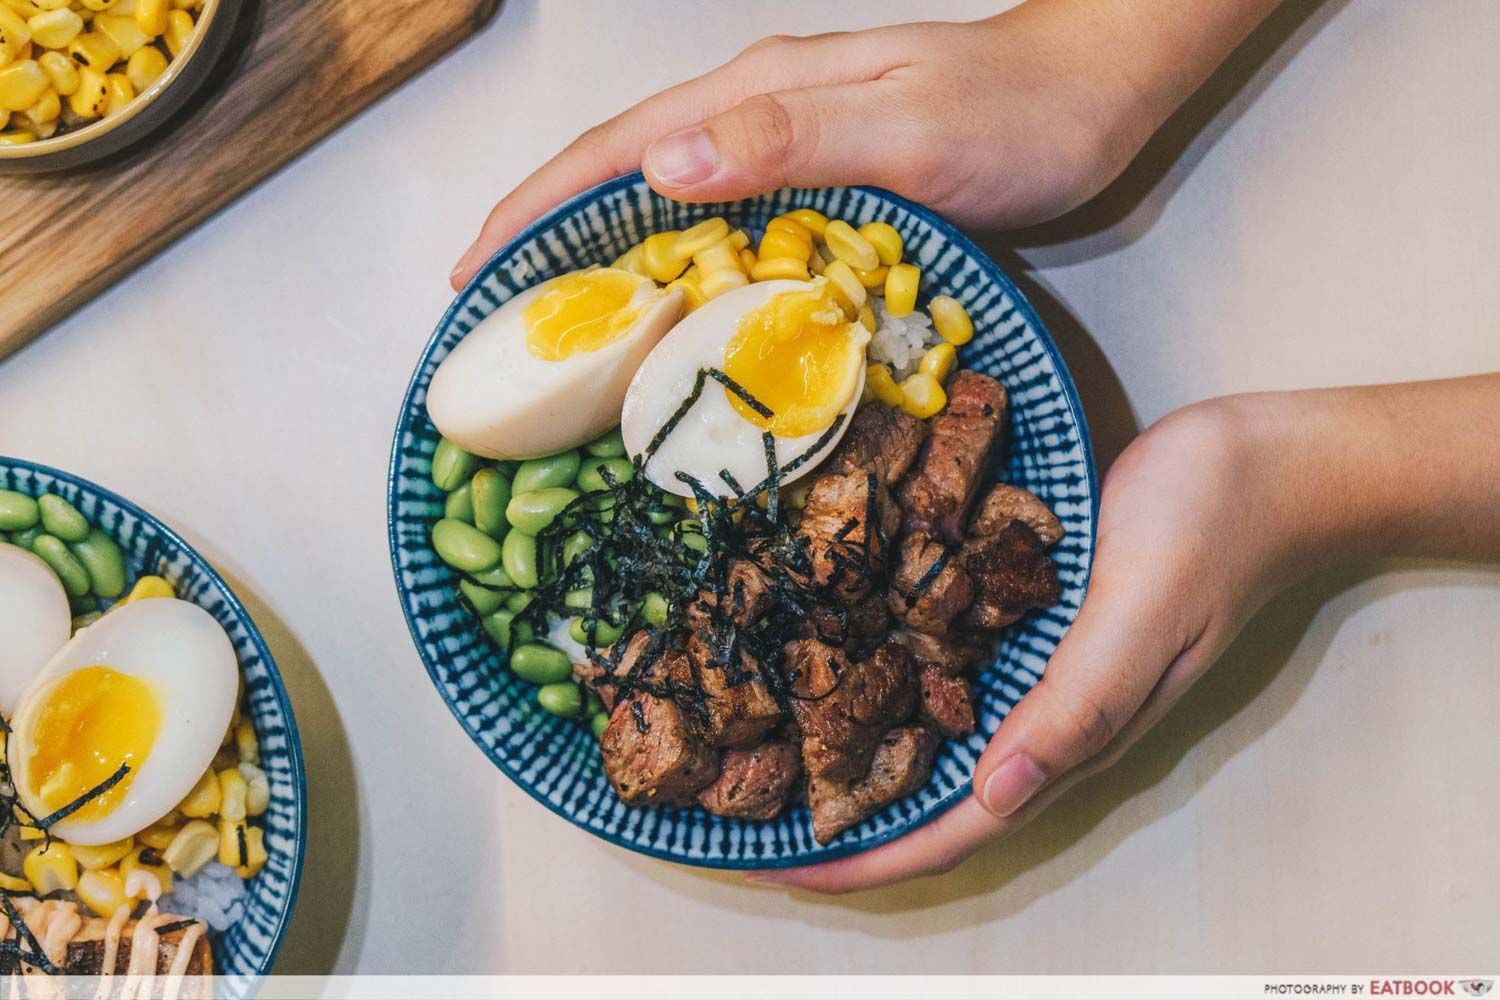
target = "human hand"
x: 997, y: 123
x: 1202, y: 519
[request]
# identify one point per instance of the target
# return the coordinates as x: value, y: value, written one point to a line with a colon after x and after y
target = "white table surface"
x: 1323, y: 802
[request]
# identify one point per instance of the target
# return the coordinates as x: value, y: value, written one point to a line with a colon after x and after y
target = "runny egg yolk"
x: 799, y: 356
x: 91, y: 722
x: 580, y: 312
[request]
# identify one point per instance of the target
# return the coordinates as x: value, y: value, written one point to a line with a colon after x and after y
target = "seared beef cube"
x: 1012, y: 574
x: 857, y: 627
x: 925, y: 595
x: 651, y: 755
x: 747, y: 598
x: 754, y: 784
x: 839, y: 546
x: 603, y: 677
x: 1005, y: 503
x: 947, y: 702
x: 952, y: 654
x: 740, y: 709
x: 881, y: 439
x: 843, y: 708
x: 901, y: 765
x: 951, y: 467
x: 591, y: 675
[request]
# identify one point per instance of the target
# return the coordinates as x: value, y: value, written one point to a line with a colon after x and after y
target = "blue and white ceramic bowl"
x: 243, y: 953
x: 557, y: 761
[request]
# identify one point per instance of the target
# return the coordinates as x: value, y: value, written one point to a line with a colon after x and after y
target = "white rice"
x: 558, y: 638
x: 900, y: 342
x: 215, y: 895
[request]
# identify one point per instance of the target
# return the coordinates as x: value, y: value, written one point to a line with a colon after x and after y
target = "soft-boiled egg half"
x: 789, y: 345
x: 34, y: 621
x: 547, y: 371
x: 151, y: 686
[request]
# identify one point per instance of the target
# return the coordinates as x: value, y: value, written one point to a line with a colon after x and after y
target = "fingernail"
x: 683, y: 158
x: 458, y: 268
x: 1011, y: 784
x: 764, y: 878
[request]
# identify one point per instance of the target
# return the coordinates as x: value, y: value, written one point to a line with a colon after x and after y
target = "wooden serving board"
x: 294, y: 70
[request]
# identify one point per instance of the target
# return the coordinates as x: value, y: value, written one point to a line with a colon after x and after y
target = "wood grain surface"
x: 294, y: 70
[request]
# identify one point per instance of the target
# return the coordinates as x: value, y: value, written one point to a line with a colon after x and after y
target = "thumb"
x: 1102, y: 672
x: 813, y: 137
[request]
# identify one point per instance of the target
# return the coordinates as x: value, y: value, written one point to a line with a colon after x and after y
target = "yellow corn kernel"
x: 901, y: 289
x: 121, y: 93
x: 699, y: 237
x: 27, y: 832
x: 14, y: 883
x: 850, y: 247
x: 47, y: 130
x: 102, y: 855
x: 124, y: 31
x: 151, y: 15
x: 814, y: 220
x: 922, y: 396
x: 194, y: 846
x: 886, y: 241
x: 938, y: 361
x: 21, y: 84
x: 632, y: 260
x: 245, y: 742
x: 53, y: 29
x: 716, y: 283
x: 61, y: 71
x: 50, y: 4
x: 15, y: 28
x: 867, y: 317
x: 747, y: 260
x: 203, y: 800
x: 661, y: 263
x: 26, y: 8
x: 186, y: 4
x: 51, y: 867
x: 232, y: 794
x: 872, y: 279
x: 230, y: 845
x: 103, y: 892
x: 159, y: 834
x: 94, y: 49
x: 7, y: 56
x: 789, y: 225
x: 98, y: 5
x: 91, y: 97
x: 692, y: 293
x: 255, y: 851
x: 148, y: 587
x: 739, y: 239
x: 951, y: 319
x: 17, y: 139
x: 773, y: 268
x: 691, y: 503
x: 147, y: 861
x: 880, y: 384
x: 780, y: 243
x: 722, y: 256
x: 816, y: 262
x: 179, y: 30
x: 45, y: 110
x: 846, y: 287
x: 145, y: 67
x: 257, y: 789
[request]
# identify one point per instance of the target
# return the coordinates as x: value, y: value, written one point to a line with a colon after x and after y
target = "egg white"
x: 35, y: 621
x: 712, y: 436
x: 493, y: 397
x: 183, y: 654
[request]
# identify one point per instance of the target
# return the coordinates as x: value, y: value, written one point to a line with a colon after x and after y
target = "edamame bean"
x: 580, y: 599
x: 598, y: 724
x: 591, y: 476
x: 26, y: 539
x: 62, y: 519
x: 604, y: 633
x: 105, y: 563
x: 610, y: 445
x: 18, y: 512
x: 518, y: 556
x: 464, y: 547
x: 540, y: 664
x: 497, y: 625
x: 534, y: 510
x: 541, y: 473
x: 562, y: 699
x: 483, y: 600
x: 490, y: 495
x: 591, y: 703
x: 578, y: 543
x: 460, y: 506
x: 54, y: 552
x: 452, y: 466
x: 519, y: 601
x: 654, y: 609
x: 85, y: 605
x: 694, y: 542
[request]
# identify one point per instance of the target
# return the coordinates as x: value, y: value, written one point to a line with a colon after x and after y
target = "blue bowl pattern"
x: 557, y: 761
x: 244, y: 952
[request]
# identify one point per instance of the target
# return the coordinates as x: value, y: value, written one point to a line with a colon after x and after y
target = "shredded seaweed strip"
x: 48, y: 822
x: 176, y: 925
x: 35, y: 955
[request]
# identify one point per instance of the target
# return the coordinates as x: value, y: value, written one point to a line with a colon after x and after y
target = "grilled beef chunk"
x: 651, y: 756
x: 841, y: 549
x: 749, y: 597
x: 927, y: 598
x: 857, y: 627
x: 740, y: 709
x: 901, y: 765
x: 1011, y: 575
x: 1005, y: 503
x: 754, y: 784
x: 952, y: 654
x: 938, y: 495
x: 947, y: 702
x: 881, y: 439
x: 601, y: 677
x: 844, y: 708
